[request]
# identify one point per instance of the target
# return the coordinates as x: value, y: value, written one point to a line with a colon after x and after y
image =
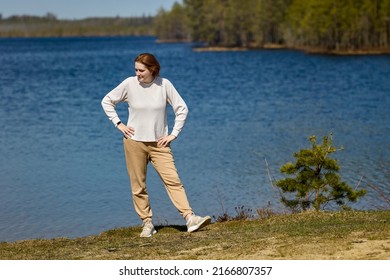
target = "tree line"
x: 50, y: 26
x: 332, y: 25
x: 324, y: 25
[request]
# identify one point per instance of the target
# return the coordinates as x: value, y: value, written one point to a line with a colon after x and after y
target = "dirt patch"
x: 367, y: 250
x: 317, y: 250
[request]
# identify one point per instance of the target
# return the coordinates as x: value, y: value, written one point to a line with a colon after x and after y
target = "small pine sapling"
x: 314, y: 179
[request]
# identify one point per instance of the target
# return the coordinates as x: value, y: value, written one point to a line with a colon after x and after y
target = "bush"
x: 314, y: 181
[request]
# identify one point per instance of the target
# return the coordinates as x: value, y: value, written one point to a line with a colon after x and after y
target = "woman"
x: 146, y: 138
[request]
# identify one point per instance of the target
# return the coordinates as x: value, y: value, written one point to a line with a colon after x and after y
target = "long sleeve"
x: 179, y: 107
x: 118, y: 94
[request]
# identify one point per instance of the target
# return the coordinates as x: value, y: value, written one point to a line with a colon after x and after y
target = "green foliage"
x: 341, y: 24
x: 314, y: 180
x: 172, y: 25
x: 324, y: 24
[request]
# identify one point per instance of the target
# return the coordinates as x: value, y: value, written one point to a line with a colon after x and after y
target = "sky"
x: 78, y: 9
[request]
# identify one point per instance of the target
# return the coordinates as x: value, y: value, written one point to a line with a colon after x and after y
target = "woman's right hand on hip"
x: 127, y: 131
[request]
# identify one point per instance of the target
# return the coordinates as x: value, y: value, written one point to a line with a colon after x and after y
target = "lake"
x: 62, y: 167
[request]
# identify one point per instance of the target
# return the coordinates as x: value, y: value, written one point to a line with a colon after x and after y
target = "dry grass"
x: 312, y: 235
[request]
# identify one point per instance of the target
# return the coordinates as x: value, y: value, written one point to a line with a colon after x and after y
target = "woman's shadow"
x: 180, y: 228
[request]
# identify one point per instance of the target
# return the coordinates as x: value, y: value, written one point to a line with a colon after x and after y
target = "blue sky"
x: 77, y: 9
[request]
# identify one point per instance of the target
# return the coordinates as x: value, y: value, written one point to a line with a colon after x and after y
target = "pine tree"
x: 314, y: 179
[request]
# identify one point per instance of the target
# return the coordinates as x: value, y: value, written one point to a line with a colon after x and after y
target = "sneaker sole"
x: 206, y: 222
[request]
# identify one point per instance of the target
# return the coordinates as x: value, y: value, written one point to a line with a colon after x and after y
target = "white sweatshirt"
x: 147, y: 107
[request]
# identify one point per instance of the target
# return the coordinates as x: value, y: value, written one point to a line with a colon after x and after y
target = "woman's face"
x: 143, y: 74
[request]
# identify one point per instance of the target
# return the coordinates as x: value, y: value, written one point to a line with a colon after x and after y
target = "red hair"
x: 150, y: 62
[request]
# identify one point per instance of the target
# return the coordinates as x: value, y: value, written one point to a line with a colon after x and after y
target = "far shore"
x: 201, y: 47
x: 311, y: 50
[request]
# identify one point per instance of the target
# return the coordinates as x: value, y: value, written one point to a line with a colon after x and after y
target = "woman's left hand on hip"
x: 165, y: 140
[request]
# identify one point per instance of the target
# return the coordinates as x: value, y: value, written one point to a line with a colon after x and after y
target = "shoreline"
x: 309, y: 50
x: 199, y: 47
x: 347, y: 235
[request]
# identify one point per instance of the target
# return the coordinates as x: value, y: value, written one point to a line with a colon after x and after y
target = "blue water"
x: 62, y: 168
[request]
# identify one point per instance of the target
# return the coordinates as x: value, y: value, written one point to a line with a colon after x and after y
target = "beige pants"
x: 138, y: 154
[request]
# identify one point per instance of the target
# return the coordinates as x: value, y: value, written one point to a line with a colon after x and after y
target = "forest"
x: 50, y: 26
x: 313, y: 25
x: 323, y: 25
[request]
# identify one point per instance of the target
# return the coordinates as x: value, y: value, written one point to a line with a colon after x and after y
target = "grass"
x: 309, y: 235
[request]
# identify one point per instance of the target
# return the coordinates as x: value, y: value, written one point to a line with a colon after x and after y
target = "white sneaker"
x: 148, y: 229
x: 196, y: 222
